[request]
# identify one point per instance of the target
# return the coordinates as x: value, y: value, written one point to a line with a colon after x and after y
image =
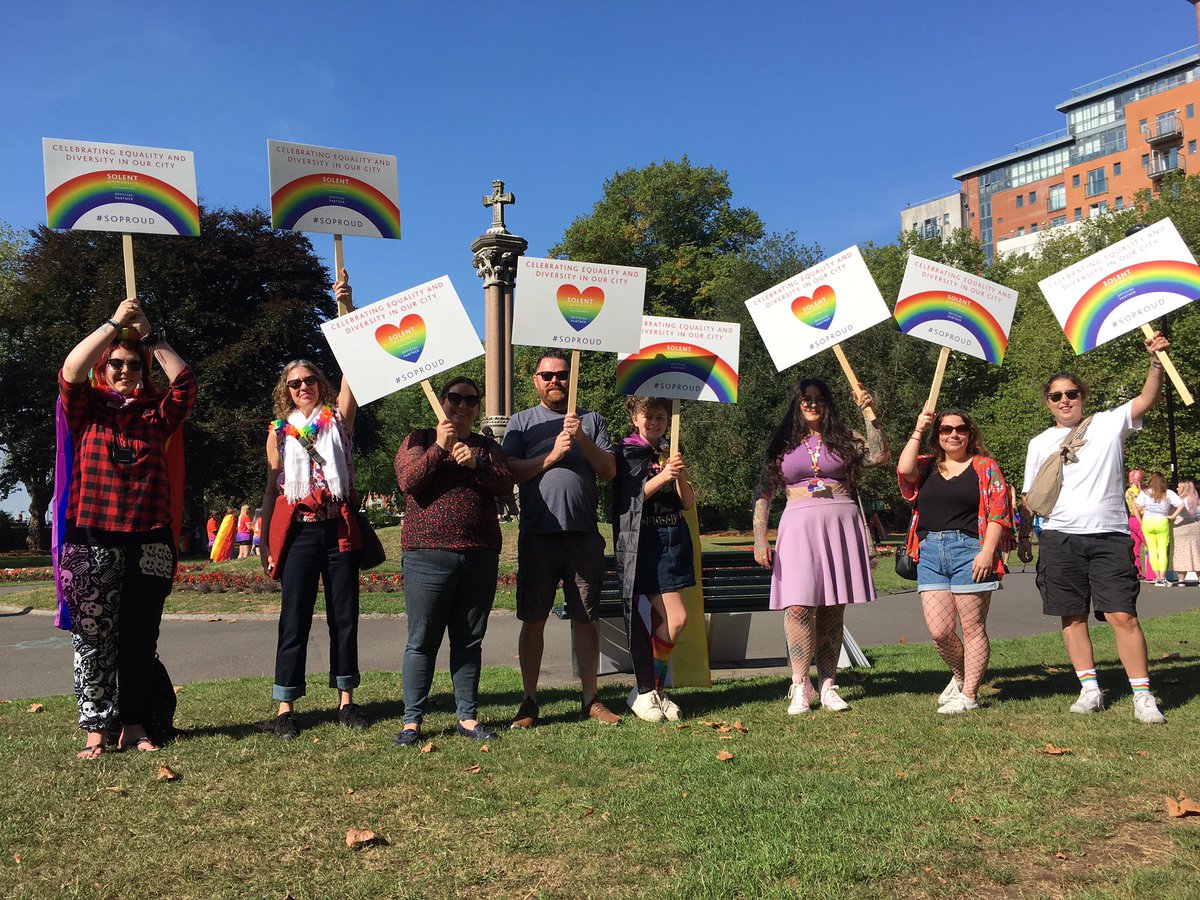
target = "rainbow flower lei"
x: 307, y: 434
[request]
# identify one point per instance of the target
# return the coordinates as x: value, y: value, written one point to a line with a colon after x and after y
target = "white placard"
x: 402, y: 339
x: 333, y: 191
x: 1124, y: 286
x: 92, y: 186
x: 688, y: 359
x: 955, y: 309
x: 578, y: 305
x: 818, y: 308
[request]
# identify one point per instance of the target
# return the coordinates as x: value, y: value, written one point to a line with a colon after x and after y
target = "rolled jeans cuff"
x: 344, y: 682
x: 287, y: 694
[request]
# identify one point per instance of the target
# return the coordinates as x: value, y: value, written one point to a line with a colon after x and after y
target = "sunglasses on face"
x: 1055, y: 396
x: 470, y: 401
x: 813, y: 402
x: 134, y: 365
x: 964, y: 430
x: 554, y: 376
x: 295, y: 383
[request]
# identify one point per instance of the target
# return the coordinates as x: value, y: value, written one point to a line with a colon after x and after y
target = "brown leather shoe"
x: 601, y: 713
x: 527, y: 714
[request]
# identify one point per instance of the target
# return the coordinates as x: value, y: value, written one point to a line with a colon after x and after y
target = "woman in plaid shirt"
x: 117, y: 560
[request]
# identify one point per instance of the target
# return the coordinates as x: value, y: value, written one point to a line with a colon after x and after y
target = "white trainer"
x: 646, y: 707
x: 1090, y: 700
x: 1146, y: 710
x: 832, y: 700
x: 959, y: 703
x: 670, y: 709
x: 953, y: 689
x: 800, y: 696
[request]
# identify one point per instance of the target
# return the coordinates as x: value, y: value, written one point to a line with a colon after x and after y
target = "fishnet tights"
x: 814, y: 631
x: 968, y: 657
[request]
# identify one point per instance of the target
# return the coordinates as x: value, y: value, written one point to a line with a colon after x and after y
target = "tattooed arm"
x: 762, y: 512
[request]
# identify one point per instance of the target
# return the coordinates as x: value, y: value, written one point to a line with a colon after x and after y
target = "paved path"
x: 35, y: 656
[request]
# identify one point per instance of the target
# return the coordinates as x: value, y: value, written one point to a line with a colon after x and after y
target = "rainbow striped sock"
x: 662, y: 659
x: 1140, y: 685
x: 1087, y: 679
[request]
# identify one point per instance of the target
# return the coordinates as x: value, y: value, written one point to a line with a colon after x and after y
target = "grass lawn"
x: 888, y: 799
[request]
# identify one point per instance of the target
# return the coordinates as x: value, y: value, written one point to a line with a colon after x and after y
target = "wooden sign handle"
x: 868, y: 412
x: 339, y: 263
x: 130, y: 276
x: 432, y: 397
x: 573, y: 384
x: 674, y: 426
x: 938, y: 374
x: 1184, y: 394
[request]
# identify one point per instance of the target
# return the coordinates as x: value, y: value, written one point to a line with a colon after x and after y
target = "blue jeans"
x: 454, y: 590
x: 944, y: 561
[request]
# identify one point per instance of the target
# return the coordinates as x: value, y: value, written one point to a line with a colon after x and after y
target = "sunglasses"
x: 813, y: 401
x: 964, y: 430
x: 134, y: 365
x: 554, y: 376
x: 470, y: 401
x: 1055, y: 396
x: 308, y: 380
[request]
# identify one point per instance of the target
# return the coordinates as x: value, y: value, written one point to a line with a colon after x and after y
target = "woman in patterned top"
x: 117, y: 558
x: 310, y: 531
x: 963, y: 509
x: 451, y: 541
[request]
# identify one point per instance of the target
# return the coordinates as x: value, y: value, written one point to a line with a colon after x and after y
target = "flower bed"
x: 26, y: 573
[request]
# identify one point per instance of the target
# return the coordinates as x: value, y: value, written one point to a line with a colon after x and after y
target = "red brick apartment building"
x: 1124, y: 133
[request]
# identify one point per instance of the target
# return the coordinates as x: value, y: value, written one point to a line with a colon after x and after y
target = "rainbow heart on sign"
x: 816, y: 311
x: 405, y: 341
x: 580, y: 308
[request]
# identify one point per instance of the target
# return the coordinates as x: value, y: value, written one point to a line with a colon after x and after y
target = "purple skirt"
x: 821, y: 556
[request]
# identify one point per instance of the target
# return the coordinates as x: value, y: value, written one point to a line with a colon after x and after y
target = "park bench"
x: 735, y: 587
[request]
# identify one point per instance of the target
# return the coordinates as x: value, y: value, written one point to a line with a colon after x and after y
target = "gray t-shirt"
x: 563, y: 498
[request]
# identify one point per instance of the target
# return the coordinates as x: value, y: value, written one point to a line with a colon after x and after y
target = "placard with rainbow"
x: 822, y: 306
x: 955, y: 309
x: 579, y: 305
x: 403, y: 339
x: 333, y: 191
x: 1124, y: 286
x: 688, y: 359
x: 92, y: 186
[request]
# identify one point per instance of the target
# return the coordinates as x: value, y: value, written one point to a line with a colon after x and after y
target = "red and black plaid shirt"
x: 115, y: 496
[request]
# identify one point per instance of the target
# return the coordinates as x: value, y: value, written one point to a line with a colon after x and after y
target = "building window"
x: 1021, y: 232
x: 1058, y: 196
x: 1033, y: 228
x: 1097, y: 209
x: 1116, y: 169
x: 1119, y: 203
x: 1191, y: 146
x: 1074, y: 181
x: 1032, y: 197
x: 1078, y: 214
x: 1096, y: 182
x: 1189, y: 111
x: 1057, y: 221
x: 1020, y: 200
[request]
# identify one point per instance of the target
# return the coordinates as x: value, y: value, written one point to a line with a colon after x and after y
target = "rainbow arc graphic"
x: 676, y: 358
x: 1101, y: 301
x: 303, y: 195
x: 941, y: 306
x: 76, y: 197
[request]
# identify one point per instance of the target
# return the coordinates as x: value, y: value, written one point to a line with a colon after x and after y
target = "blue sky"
x: 829, y: 117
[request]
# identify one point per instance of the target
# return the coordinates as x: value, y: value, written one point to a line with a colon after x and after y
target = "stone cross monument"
x: 496, y: 253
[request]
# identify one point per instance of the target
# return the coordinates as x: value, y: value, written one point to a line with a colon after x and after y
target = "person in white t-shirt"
x: 1156, y: 506
x: 1085, y: 558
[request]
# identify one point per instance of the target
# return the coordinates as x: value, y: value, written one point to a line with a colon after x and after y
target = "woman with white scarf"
x: 309, y: 531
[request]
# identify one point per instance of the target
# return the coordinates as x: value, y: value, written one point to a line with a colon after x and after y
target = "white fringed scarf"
x: 297, y: 464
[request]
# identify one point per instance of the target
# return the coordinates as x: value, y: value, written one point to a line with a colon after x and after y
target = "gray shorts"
x: 574, y: 559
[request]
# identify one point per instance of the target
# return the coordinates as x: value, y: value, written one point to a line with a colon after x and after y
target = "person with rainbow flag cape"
x: 117, y: 511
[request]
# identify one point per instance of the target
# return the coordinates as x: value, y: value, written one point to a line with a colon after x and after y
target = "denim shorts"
x: 944, y: 564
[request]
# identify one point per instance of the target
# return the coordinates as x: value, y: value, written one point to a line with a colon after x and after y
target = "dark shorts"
x: 1076, y: 572
x: 574, y: 559
x: 664, y: 559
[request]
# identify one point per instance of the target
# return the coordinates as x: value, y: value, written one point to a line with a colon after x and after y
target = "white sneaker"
x: 952, y: 690
x: 670, y: 709
x: 800, y: 696
x: 1146, y: 710
x: 1090, y: 700
x: 831, y: 700
x: 959, y: 703
x: 646, y: 707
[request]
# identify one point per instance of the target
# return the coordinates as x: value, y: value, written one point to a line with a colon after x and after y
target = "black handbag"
x: 372, y: 553
x: 906, y: 566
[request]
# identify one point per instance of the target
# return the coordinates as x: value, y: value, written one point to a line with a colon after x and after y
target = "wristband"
x: 115, y: 326
x: 916, y: 436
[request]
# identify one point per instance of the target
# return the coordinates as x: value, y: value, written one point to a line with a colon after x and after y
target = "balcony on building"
x: 1167, y: 130
x: 1166, y: 165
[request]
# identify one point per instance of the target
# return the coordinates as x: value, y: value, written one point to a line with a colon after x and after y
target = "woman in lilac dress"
x: 821, y: 561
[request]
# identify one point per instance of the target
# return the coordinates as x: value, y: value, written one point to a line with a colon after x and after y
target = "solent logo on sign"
x: 405, y: 341
x: 818, y: 310
x: 580, y: 308
x: 335, y: 195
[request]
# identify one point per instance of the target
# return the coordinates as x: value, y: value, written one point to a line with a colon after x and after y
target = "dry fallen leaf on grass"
x: 356, y: 838
x: 901, y: 774
x: 17, y: 858
x: 349, y: 790
x: 1060, y: 855
x: 484, y: 748
x: 587, y: 812
x: 475, y: 769
x: 35, y: 708
x: 1170, y: 656
x: 428, y: 748
x: 722, y: 729
x: 177, y: 688
x: 683, y: 724
x: 1184, y: 806
x: 604, y: 817
x: 724, y: 756
x: 1051, y: 750
x: 903, y: 639
x: 717, y: 724
x: 214, y: 619
x: 739, y: 727
x: 1143, y: 753
x: 115, y: 789
x: 166, y: 773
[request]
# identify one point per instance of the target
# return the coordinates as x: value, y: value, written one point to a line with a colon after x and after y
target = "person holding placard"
x: 118, y: 554
x: 310, y: 531
x: 1085, y: 559
x: 451, y: 542
x: 1156, y: 506
x: 821, y: 562
x: 961, y: 512
x: 653, y: 548
x: 555, y: 454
